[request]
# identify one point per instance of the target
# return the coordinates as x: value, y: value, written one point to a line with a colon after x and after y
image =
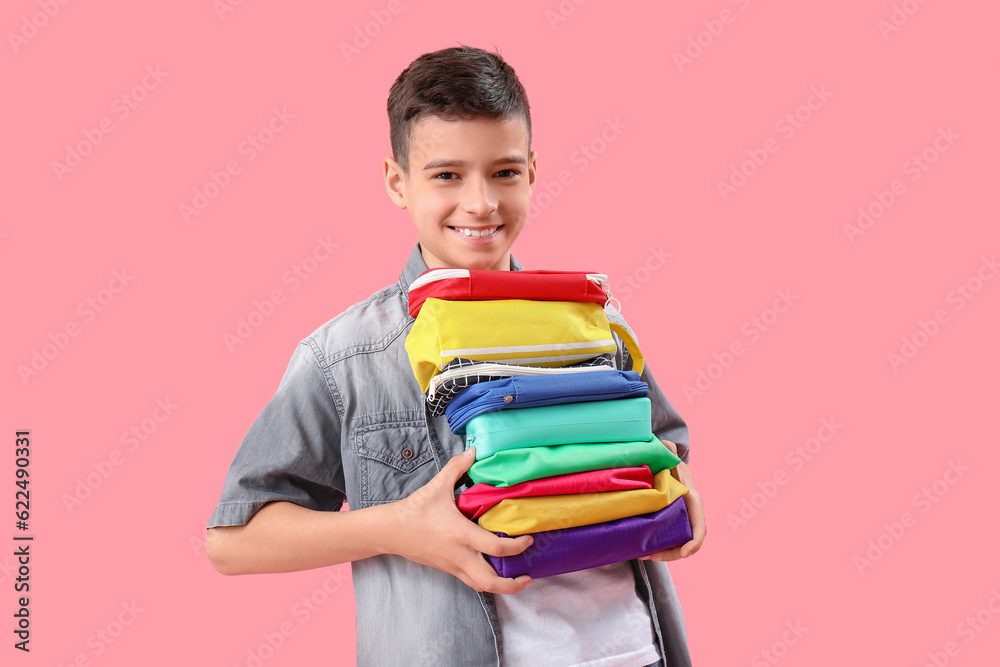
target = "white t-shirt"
x: 593, y: 617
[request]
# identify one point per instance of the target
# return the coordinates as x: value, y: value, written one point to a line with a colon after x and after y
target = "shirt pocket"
x: 393, y: 461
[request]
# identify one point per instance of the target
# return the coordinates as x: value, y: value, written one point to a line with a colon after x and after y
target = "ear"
x: 395, y: 183
x: 532, y: 167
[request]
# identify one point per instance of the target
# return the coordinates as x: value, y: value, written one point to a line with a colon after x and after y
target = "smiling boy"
x: 348, y: 422
x: 469, y: 189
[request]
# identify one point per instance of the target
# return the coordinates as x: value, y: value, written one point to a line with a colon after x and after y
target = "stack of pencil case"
x: 521, y: 364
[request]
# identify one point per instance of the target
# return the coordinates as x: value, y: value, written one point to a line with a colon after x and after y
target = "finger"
x: 453, y: 470
x: 510, y: 586
x: 488, y: 543
x: 696, y: 517
x: 485, y: 578
x: 462, y: 462
x: 467, y: 580
x: 665, y: 555
x: 685, y: 550
x: 696, y: 513
x: 682, y: 473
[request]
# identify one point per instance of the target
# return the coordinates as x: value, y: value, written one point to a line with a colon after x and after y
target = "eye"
x: 450, y: 174
x: 507, y: 173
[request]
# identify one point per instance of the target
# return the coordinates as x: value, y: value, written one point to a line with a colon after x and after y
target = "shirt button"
x: 508, y: 398
x: 407, y: 453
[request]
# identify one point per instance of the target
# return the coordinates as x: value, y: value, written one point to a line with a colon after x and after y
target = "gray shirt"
x: 348, y: 422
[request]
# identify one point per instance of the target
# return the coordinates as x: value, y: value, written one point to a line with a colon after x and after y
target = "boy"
x: 348, y: 422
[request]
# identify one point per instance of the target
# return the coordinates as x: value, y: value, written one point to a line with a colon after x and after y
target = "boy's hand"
x: 696, y: 514
x: 430, y: 530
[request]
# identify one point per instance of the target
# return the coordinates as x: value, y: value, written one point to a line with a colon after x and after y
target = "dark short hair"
x: 461, y: 82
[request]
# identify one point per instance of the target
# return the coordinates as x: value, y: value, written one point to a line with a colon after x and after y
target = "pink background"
x: 137, y: 538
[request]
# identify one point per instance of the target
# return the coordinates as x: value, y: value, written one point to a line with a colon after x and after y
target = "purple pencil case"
x: 584, y: 547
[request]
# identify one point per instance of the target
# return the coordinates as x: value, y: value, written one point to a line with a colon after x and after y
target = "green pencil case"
x: 621, y: 420
x: 514, y: 466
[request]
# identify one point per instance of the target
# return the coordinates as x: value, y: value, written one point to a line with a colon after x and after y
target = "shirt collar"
x: 415, y: 265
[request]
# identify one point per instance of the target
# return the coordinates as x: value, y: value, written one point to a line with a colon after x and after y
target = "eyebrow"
x: 507, y: 159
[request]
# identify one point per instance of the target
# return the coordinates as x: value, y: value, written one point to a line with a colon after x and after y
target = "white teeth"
x: 476, y: 233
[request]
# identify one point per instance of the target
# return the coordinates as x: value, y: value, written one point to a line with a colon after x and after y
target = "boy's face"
x: 468, y: 189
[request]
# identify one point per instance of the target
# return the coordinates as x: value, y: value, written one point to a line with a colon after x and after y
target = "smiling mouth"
x: 477, y: 232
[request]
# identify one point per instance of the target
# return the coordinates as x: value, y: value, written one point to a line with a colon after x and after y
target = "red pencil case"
x: 476, y: 500
x: 483, y: 285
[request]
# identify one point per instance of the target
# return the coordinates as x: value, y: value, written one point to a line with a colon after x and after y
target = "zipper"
x: 479, y: 408
x: 496, y: 401
x: 523, y: 349
x: 436, y: 275
x: 504, y: 369
x: 612, y: 306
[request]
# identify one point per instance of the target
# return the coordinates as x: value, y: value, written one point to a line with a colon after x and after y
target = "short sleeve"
x: 667, y: 423
x: 292, y: 450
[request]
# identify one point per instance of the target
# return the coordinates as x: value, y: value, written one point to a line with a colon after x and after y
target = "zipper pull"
x: 612, y: 306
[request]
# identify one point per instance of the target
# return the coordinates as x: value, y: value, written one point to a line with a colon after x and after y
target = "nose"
x: 478, y: 200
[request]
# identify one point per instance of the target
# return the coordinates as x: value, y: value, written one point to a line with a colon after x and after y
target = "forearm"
x: 425, y: 527
x: 284, y: 537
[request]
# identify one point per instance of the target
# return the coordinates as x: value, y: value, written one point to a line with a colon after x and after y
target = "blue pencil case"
x: 535, y: 391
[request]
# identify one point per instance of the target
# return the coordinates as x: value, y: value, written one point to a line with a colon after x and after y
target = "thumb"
x: 446, y: 478
x: 458, y: 465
